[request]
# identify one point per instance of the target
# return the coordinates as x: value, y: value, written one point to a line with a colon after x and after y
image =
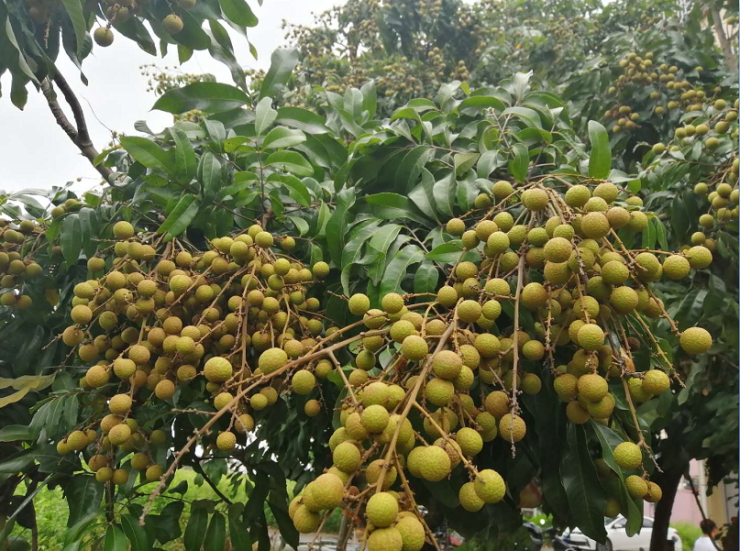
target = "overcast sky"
x: 35, y: 152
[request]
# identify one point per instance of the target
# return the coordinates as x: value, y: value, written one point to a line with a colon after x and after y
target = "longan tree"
x: 437, y: 308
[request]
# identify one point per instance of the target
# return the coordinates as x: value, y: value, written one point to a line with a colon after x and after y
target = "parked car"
x: 617, y: 538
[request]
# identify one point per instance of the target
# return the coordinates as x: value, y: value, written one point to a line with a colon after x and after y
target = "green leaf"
x: 445, y: 192
x: 185, y: 160
x: 211, y: 97
x: 519, y: 162
x: 115, y: 539
x: 397, y: 268
x: 296, y: 189
x: 411, y: 166
x: 84, y: 495
x: 600, y: 161
x: 426, y: 278
x: 446, y: 252
x: 264, y: 115
x: 283, y: 137
x: 464, y: 162
x: 482, y: 102
x: 527, y: 115
x: 216, y: 535
x: 71, y: 238
x: 181, y: 216
x: 209, y: 174
x: 167, y: 523
x: 237, y: 531
x: 239, y: 12
x: 195, y: 531
x: 291, y: 161
x: 12, y: 433
x: 282, y: 63
x: 585, y: 494
x: 149, y: 154
x: 302, y: 119
x: 336, y: 227
x: 369, y: 99
x: 74, y: 10
x: 135, y: 533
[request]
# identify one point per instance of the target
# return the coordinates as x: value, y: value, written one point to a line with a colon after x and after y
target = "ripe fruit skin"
x: 558, y: 249
x: 512, y: 428
x: 576, y: 414
x: 656, y: 382
x: 435, y: 464
x: 415, y: 348
x: 120, y: 404
x: 469, y: 498
x: 226, y: 441
x: 469, y: 440
x: 385, y: 539
x: 637, y: 487
x: 173, y: 24
x: 695, y: 340
x: 119, y: 434
x: 566, y: 386
x: 305, y: 521
x: 439, y: 391
x: 347, y: 457
x: 489, y: 486
x: 327, y: 491
x: 165, y: 389
x: 595, y: 225
x: 469, y: 311
x: 303, y: 382
x: 628, y: 456
x: 358, y: 304
x: 375, y: 419
x: 123, y: 230
x: 382, y: 509
x: 446, y: 364
x: 392, y: 303
x: 592, y: 387
x: 412, y: 533
x: 535, y: 199
x: 654, y: 492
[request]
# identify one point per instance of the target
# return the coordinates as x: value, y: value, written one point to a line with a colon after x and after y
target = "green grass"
x: 52, y: 511
x: 688, y: 532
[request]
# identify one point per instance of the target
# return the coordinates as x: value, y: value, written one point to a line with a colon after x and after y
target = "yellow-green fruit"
x: 435, y: 464
x: 104, y: 474
x: 123, y: 230
x: 120, y: 404
x: 226, y: 441
x: 375, y: 418
x: 320, y: 269
x: 624, y: 300
x: 347, y: 457
x: 327, y: 491
x: 576, y: 414
x: 656, y: 382
x: 577, y: 196
x: 699, y: 257
x: 614, y: 272
x: 618, y: 217
x: 306, y: 521
x: 165, y: 389
x: 602, y: 409
x: 497, y: 403
x: 414, y: 348
x: 385, y: 539
x: 392, y: 303
x: 97, y: 376
x: 77, y: 440
x: 153, y: 473
x: 590, y: 337
x: 531, y: 383
x: 303, y: 382
x: 534, y: 296
x: 595, y: 225
x: 359, y: 304
x: 120, y: 477
x: 455, y: 226
x: 382, y: 509
x: 119, y: 434
x: 695, y: 340
x: 535, y: 199
x: 218, y: 370
x: 439, y: 392
x: 447, y: 296
x: 124, y: 368
x: 271, y: 360
x: 654, y: 492
x: 628, y: 456
x: 533, y: 350
x: 637, y: 487
x: 140, y: 461
x: 512, y: 428
x: 487, y: 345
x: 612, y: 508
x: 469, y: 498
x: 446, y: 364
x: 497, y: 243
x: 558, y: 249
x: 412, y: 533
x: 491, y: 309
x: 592, y: 387
x: 469, y: 311
x: 566, y: 387
x: 469, y: 440
x: 489, y: 486
x: 81, y: 314
x: 502, y: 189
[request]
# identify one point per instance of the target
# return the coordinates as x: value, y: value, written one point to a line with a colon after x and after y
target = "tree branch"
x: 77, y: 132
x: 725, y: 44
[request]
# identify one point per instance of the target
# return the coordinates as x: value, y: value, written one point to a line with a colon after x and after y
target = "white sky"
x: 36, y: 153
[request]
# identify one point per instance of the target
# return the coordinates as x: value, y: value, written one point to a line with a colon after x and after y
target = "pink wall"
x: 684, y: 507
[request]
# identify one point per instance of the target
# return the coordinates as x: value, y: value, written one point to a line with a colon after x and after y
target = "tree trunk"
x: 724, y: 43
x: 668, y: 482
x: 344, y: 534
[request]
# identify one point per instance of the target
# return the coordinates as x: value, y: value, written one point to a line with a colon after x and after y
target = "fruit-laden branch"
x: 77, y: 132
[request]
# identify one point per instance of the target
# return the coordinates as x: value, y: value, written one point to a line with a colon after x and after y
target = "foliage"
x: 688, y: 532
